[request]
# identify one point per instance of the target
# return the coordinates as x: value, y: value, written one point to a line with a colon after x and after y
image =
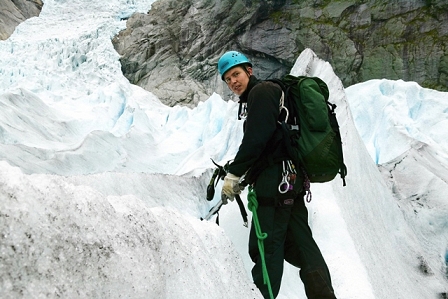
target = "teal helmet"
x: 230, y: 59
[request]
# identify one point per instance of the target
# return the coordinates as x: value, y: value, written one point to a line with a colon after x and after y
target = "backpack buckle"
x: 293, y: 127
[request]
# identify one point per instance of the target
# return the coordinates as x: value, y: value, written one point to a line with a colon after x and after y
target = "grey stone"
x: 173, y: 50
x: 14, y: 12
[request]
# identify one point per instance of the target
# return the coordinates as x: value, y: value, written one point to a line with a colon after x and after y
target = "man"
x: 263, y: 161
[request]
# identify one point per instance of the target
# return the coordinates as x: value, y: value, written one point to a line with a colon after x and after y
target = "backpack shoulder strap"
x: 279, y: 82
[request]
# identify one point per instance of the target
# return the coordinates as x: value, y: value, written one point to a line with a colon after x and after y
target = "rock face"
x: 173, y: 50
x: 13, y: 12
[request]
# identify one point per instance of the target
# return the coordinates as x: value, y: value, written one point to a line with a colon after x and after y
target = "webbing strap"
x: 253, y: 206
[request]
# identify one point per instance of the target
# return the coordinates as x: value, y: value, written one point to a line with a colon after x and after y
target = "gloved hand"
x: 230, y: 188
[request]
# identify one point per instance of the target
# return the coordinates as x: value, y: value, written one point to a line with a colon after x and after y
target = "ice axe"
x: 219, y: 173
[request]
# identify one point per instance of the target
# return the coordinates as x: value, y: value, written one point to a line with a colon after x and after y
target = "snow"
x: 102, y: 187
x: 410, y: 124
x: 400, y: 113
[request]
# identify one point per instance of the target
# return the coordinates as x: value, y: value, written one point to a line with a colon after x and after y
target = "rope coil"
x: 253, y: 206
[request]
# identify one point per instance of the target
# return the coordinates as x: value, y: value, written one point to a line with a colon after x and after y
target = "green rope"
x: 253, y: 206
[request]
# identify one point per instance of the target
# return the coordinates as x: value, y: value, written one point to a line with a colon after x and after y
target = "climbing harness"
x: 253, y: 206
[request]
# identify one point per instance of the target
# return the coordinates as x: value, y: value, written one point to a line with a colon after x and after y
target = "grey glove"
x: 230, y: 188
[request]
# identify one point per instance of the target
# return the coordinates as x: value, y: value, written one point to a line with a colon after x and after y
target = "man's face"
x: 237, y: 79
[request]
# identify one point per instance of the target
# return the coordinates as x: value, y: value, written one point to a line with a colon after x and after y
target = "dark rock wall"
x: 173, y: 50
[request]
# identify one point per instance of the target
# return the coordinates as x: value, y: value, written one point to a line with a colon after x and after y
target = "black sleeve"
x: 261, y: 123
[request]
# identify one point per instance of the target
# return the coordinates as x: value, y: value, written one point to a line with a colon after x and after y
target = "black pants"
x: 289, y: 238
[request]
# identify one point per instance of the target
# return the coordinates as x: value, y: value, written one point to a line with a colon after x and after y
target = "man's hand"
x: 230, y: 188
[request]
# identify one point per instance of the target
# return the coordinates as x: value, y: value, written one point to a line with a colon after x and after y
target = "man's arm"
x: 261, y: 123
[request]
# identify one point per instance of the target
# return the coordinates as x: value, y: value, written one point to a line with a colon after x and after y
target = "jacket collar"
x: 252, y: 82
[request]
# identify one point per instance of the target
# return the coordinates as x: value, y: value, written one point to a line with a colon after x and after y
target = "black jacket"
x: 261, y: 150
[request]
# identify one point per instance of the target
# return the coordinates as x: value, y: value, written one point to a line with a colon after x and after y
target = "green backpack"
x: 310, y: 128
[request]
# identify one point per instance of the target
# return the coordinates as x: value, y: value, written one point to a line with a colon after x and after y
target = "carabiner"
x: 283, y: 187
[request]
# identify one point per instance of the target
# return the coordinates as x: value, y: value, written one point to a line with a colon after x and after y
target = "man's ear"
x: 249, y: 70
